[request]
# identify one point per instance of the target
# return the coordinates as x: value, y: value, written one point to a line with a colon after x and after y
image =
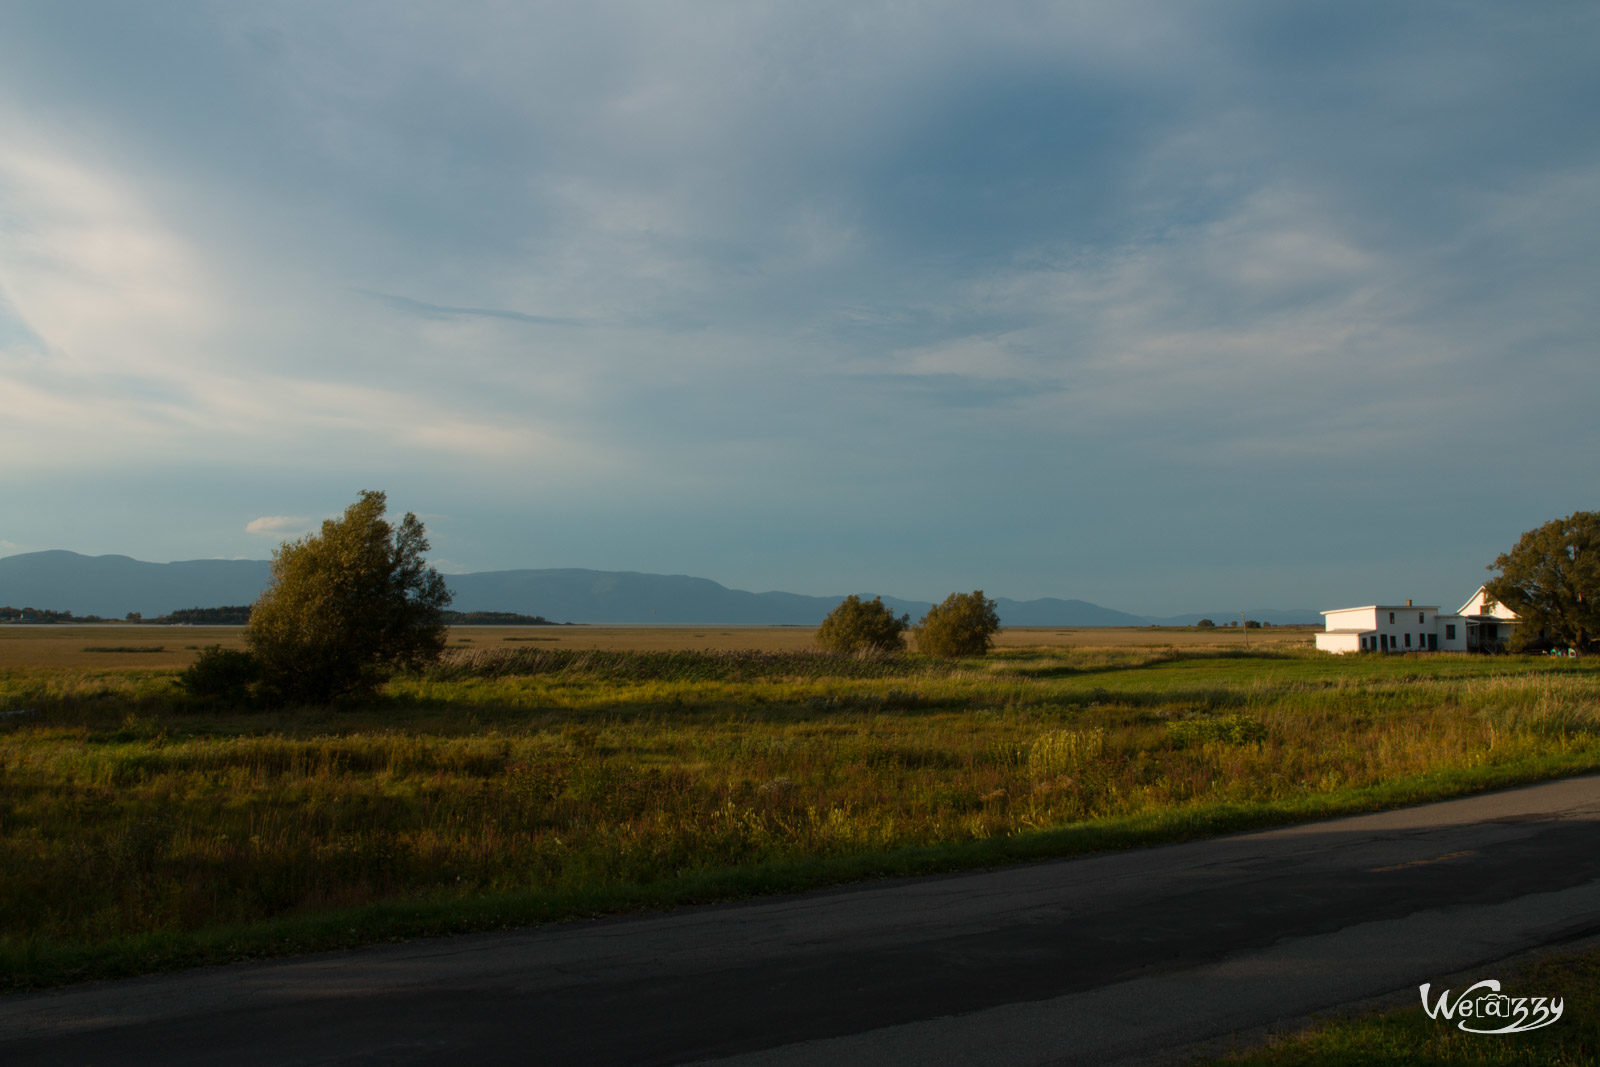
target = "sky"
x: 1167, y: 306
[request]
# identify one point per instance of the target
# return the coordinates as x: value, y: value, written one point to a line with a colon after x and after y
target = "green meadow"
x: 525, y: 780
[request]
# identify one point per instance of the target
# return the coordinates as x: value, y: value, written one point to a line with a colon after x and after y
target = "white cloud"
x: 280, y: 525
x: 90, y: 269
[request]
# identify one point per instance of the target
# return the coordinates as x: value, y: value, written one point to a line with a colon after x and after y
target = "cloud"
x: 764, y: 271
x: 423, y: 308
x: 280, y: 525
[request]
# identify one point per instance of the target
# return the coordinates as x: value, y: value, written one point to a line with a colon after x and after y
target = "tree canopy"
x: 858, y: 626
x: 1551, y: 579
x: 964, y: 625
x: 349, y: 606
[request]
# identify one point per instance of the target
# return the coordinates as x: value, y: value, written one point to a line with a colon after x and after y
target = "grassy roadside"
x: 139, y: 833
x: 1409, y: 1036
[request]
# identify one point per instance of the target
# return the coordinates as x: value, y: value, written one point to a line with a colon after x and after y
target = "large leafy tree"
x: 964, y: 625
x: 863, y: 626
x: 348, y: 607
x: 1551, y: 579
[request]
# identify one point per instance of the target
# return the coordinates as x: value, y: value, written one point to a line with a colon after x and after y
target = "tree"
x: 1551, y: 579
x: 348, y: 607
x: 964, y: 625
x: 1206, y: 624
x: 863, y: 626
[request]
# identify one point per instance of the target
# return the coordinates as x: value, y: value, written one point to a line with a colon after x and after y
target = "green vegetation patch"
x: 144, y: 826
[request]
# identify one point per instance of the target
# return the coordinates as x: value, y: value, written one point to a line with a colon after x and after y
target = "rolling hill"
x: 112, y: 586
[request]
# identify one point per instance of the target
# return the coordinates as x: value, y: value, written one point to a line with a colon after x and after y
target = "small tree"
x: 863, y: 626
x: 348, y: 607
x: 1551, y: 579
x: 964, y: 625
x: 1206, y: 624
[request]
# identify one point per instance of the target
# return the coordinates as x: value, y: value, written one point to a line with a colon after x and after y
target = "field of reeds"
x: 523, y: 780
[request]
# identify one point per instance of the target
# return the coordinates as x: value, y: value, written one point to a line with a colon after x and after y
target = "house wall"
x: 1391, y: 628
x: 1474, y: 606
x: 1352, y: 619
x: 1448, y: 641
x: 1339, y: 643
x: 1403, y: 628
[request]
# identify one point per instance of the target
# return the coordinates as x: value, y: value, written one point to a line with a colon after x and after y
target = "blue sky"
x: 1167, y: 306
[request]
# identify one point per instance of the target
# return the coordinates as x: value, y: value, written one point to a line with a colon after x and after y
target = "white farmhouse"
x: 1479, y: 625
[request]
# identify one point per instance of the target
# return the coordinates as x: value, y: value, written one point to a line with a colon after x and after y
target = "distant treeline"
x: 239, y: 615
x: 494, y: 618
x: 231, y: 615
x: 10, y: 614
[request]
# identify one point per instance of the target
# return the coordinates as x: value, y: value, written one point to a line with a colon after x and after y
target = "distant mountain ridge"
x: 113, y: 586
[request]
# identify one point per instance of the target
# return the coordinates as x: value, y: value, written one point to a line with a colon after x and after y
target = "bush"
x: 221, y: 673
x: 348, y: 607
x: 1228, y: 729
x: 964, y: 625
x: 857, y: 626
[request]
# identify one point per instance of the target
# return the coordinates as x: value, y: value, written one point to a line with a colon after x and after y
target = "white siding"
x: 1352, y: 618
x: 1448, y: 641
x: 1339, y: 643
x: 1475, y: 606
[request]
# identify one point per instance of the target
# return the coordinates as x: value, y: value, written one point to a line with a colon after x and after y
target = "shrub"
x: 858, y: 626
x: 1228, y: 729
x: 222, y: 673
x: 964, y: 625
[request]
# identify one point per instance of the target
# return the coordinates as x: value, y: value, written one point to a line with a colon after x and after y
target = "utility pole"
x: 1244, y: 624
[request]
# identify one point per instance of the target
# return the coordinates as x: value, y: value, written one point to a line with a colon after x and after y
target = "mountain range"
x: 113, y: 586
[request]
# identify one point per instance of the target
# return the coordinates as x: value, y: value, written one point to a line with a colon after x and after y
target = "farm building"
x: 1479, y: 625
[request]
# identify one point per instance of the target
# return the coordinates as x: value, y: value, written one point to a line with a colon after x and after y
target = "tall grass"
x: 127, y: 810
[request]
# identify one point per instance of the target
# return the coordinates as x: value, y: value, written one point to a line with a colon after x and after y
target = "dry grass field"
x: 124, y: 646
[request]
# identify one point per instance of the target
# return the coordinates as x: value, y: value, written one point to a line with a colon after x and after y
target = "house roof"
x: 1383, y: 607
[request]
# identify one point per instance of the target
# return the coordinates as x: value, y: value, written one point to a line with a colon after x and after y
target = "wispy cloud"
x: 280, y: 525
x: 443, y: 311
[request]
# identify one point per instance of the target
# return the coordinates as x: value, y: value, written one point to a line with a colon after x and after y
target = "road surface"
x: 1092, y: 960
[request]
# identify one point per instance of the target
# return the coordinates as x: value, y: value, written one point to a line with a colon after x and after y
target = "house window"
x: 1391, y: 616
x: 1449, y: 631
x: 1408, y: 640
x: 1420, y: 618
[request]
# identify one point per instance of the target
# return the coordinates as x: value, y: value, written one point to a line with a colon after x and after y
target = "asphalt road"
x: 1091, y: 960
